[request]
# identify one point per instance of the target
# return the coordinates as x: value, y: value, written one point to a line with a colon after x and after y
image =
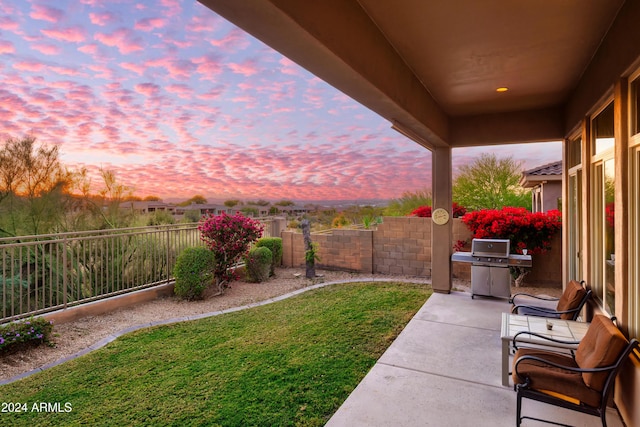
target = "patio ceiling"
x: 432, y: 67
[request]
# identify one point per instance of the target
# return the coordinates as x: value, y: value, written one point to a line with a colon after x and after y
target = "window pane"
x: 603, y: 136
x: 634, y: 261
x: 609, y: 236
x: 575, y: 225
x: 575, y: 152
x: 635, y: 107
x: 597, y: 213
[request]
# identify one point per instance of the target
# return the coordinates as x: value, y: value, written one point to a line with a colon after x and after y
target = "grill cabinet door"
x: 490, y: 281
x: 480, y: 280
x: 500, y: 282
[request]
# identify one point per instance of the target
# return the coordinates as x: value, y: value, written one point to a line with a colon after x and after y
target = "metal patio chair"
x: 568, y: 307
x: 582, y: 382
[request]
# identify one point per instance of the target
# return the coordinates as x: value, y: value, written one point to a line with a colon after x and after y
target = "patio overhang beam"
x: 509, y: 127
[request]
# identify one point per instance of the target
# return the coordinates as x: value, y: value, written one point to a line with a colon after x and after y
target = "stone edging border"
x: 103, y: 342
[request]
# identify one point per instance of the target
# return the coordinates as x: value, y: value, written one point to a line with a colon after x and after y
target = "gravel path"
x: 79, y: 336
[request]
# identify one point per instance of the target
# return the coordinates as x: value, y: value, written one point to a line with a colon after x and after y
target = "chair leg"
x: 603, y: 417
x: 518, y: 409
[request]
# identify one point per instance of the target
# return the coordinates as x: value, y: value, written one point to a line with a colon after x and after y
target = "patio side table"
x: 566, y: 330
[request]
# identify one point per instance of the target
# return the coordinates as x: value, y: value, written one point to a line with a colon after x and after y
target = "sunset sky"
x: 177, y: 102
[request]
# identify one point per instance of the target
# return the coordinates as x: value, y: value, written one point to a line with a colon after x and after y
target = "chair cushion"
x: 570, y: 299
x: 601, y: 346
x: 545, y: 378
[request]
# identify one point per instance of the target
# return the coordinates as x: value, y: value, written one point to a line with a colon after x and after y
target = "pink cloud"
x: 28, y: 65
x: 282, y: 91
x: 289, y: 67
x: 46, y: 13
x: 41, y: 98
x: 7, y: 8
x: 149, y: 24
x: 6, y: 47
x: 102, y: 71
x: 136, y: 68
x: 124, y: 39
x: 172, y: 7
x: 62, y: 84
x: 180, y: 90
x: 81, y: 93
x: 203, y: 22
x: 250, y: 101
x: 86, y: 129
x: 177, y: 69
x: 89, y: 49
x: 313, y: 97
x: 103, y: 18
x: 212, y: 94
x: 47, y: 48
x: 147, y: 89
x: 208, y: 65
x: 180, y: 69
x: 7, y: 23
x: 181, y: 44
x: 70, y: 34
x: 66, y: 71
x: 235, y: 39
x: 246, y: 68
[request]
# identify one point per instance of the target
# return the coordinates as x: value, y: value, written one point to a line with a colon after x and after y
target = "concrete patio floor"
x: 444, y: 370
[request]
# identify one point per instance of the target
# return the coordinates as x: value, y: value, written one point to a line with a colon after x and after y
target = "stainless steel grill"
x: 490, y: 261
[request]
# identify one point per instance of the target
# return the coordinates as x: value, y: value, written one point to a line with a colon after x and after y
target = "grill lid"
x: 497, y: 248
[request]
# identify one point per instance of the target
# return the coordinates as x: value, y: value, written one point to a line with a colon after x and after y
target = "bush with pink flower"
x: 230, y: 238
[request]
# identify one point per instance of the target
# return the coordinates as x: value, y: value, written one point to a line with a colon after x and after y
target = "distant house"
x: 205, y: 208
x: 200, y: 209
x: 293, y: 210
x: 145, y: 207
x: 546, y: 186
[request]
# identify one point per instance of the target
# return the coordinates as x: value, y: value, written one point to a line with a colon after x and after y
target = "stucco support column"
x: 441, y: 235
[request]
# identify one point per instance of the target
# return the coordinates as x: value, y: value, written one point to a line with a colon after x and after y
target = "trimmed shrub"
x: 229, y: 237
x: 28, y: 332
x: 275, y: 246
x: 258, y: 264
x: 194, y: 271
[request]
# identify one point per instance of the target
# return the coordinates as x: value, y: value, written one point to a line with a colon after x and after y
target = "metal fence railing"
x: 43, y: 273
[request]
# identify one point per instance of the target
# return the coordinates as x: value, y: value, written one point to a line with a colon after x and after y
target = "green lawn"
x: 290, y: 363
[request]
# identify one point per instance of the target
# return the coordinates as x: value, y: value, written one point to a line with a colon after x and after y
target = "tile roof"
x: 554, y: 168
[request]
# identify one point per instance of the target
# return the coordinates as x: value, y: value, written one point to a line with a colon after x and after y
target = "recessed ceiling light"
x: 502, y: 89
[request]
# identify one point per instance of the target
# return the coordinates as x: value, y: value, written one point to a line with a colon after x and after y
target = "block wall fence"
x: 402, y: 246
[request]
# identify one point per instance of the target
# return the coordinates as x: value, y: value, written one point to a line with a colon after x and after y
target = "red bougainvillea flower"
x: 610, y: 214
x: 422, y: 212
x: 457, y: 211
x: 525, y: 230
